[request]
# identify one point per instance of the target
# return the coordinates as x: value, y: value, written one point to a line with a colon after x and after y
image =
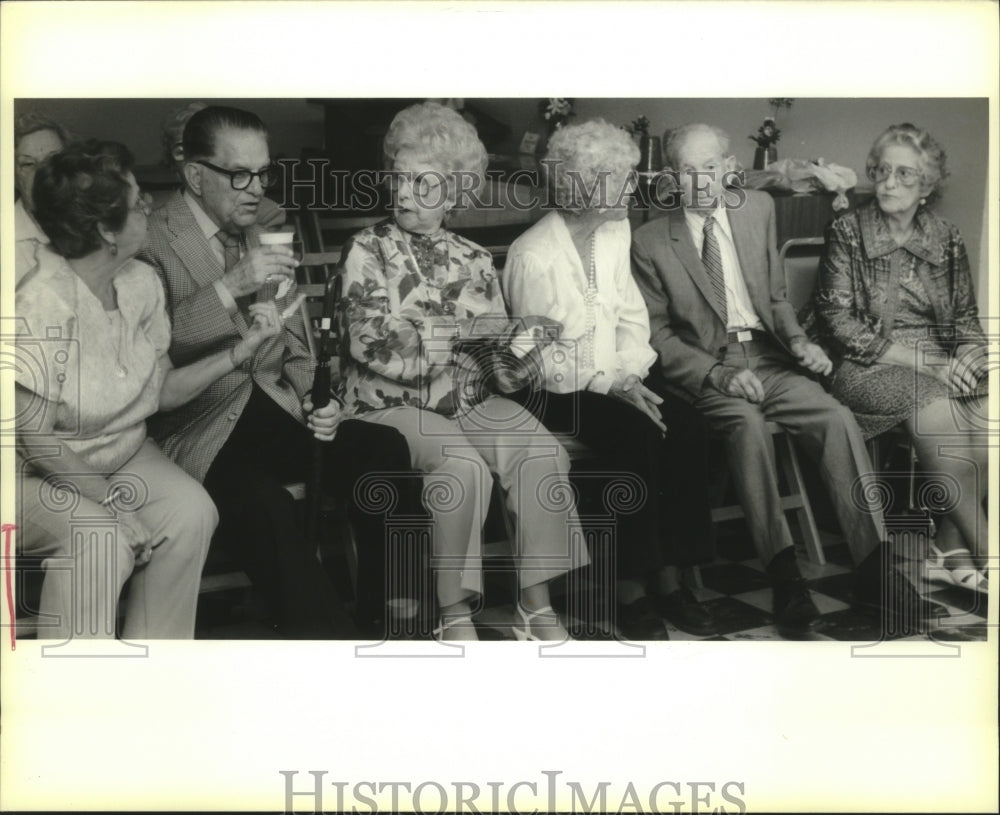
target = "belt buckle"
x: 744, y: 336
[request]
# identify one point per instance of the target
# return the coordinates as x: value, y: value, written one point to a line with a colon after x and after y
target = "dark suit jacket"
x: 194, y: 433
x: 687, y: 330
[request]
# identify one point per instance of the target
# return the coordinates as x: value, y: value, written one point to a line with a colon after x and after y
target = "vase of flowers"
x: 555, y: 113
x: 768, y: 134
x: 650, y: 155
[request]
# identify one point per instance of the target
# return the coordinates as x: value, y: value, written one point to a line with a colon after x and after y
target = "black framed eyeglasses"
x: 241, y: 179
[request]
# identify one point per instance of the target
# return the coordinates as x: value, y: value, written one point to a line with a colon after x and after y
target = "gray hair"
x: 579, y: 157
x: 675, y: 140
x: 439, y: 135
x: 933, y: 168
x: 30, y: 122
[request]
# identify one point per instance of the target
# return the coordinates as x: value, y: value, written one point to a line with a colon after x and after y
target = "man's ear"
x: 730, y: 163
x: 192, y: 177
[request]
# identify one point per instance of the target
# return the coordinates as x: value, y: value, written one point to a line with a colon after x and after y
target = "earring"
x: 114, y: 249
x: 923, y: 201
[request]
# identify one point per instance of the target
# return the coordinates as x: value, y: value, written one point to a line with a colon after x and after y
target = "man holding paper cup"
x: 252, y: 431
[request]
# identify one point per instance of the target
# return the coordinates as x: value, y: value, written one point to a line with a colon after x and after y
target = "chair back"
x: 800, y: 263
x: 329, y: 231
x: 320, y: 266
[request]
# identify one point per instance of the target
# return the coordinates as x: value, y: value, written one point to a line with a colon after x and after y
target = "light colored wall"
x: 293, y: 123
x: 839, y: 130
x: 842, y: 131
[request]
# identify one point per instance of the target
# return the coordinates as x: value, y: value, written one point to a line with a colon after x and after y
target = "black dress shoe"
x: 639, y: 621
x: 794, y: 610
x: 682, y: 608
x: 894, y: 599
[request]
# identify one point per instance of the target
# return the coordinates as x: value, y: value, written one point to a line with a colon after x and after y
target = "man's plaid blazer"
x: 193, y: 434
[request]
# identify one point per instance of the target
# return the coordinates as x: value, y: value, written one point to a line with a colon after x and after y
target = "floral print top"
x: 864, y: 273
x: 406, y: 299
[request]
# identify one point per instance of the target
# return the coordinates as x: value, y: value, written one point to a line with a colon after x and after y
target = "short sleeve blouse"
x: 102, y: 371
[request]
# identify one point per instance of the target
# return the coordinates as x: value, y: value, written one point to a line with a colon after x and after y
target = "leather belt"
x: 746, y: 335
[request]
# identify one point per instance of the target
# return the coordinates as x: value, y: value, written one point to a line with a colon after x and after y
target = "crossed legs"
x: 947, y: 442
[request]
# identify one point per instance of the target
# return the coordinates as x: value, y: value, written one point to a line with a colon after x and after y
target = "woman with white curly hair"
x: 414, y: 293
x: 573, y: 266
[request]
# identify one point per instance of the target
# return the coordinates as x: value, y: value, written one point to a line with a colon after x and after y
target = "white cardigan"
x: 544, y: 276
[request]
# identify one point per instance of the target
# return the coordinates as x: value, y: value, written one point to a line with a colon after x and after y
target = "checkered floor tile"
x: 733, y: 587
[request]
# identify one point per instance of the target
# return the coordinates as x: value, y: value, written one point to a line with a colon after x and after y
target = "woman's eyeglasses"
x: 241, y: 179
x: 423, y: 185
x: 907, y: 176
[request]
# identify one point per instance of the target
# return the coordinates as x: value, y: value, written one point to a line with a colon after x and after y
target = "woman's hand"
x: 140, y: 539
x: 266, y: 322
x: 811, y: 356
x: 511, y: 378
x: 322, y: 421
x: 539, y: 331
x: 633, y: 392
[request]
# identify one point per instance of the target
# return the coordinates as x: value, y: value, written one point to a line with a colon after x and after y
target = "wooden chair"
x: 881, y: 445
x: 328, y: 231
x: 795, y: 499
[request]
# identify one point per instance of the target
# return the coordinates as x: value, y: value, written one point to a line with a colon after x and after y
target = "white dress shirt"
x: 739, y: 307
x: 544, y: 276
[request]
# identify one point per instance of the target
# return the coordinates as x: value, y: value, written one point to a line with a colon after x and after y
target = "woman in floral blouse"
x: 413, y: 291
x: 895, y: 301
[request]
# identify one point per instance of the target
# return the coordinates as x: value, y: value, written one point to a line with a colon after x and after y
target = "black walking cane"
x: 320, y: 398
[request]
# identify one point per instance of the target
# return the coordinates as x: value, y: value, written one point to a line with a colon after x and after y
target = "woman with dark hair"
x: 895, y: 305
x: 95, y: 366
x: 36, y: 137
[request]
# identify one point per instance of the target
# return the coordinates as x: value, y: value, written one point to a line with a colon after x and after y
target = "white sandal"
x: 525, y: 633
x: 461, y: 625
x: 969, y: 579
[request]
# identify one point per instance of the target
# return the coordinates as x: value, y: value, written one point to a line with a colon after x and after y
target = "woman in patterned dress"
x: 896, y: 306
x: 413, y: 291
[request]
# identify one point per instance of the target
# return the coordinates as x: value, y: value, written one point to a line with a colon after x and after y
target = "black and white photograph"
x: 381, y: 433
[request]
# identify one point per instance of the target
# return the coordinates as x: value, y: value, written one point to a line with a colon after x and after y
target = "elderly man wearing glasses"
x: 270, y: 216
x: 252, y: 431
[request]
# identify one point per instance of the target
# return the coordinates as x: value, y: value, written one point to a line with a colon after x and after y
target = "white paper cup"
x: 272, y: 289
x: 276, y: 238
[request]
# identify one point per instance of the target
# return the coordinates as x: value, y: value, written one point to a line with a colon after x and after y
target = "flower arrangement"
x: 555, y: 112
x: 768, y: 133
x: 638, y: 127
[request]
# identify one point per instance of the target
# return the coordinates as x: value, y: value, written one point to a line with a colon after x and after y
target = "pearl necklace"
x: 590, y: 300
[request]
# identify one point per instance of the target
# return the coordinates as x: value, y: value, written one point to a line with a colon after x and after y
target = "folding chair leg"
x: 789, y: 462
